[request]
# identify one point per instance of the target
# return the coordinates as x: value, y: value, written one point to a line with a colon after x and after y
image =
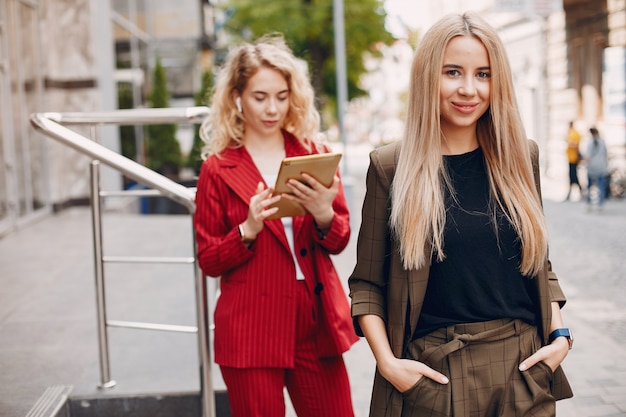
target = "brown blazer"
x: 380, y: 285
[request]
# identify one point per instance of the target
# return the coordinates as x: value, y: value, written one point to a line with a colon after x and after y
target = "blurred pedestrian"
x: 452, y: 287
x: 271, y: 330
x: 573, y: 158
x: 597, y: 159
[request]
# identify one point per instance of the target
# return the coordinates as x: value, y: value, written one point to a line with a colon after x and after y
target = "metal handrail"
x: 50, y: 125
x: 131, y: 116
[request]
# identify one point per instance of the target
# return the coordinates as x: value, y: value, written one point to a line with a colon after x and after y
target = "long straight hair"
x: 225, y: 125
x: 418, y: 212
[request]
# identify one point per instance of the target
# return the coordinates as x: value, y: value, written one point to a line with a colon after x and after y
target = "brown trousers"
x: 481, y: 361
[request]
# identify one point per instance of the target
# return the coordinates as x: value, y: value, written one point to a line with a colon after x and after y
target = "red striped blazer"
x: 255, y: 314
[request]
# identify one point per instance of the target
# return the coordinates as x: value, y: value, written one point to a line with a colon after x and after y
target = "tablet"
x: 322, y: 167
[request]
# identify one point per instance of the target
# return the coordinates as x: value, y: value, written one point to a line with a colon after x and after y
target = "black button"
x: 303, y: 252
x: 318, y: 288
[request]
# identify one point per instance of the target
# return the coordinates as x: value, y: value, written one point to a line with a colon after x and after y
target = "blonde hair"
x: 225, y: 125
x: 418, y: 213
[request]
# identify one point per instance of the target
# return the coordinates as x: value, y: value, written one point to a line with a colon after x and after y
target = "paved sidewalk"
x: 47, y: 314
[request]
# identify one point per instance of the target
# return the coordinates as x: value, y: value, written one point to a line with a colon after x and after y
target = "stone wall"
x: 73, y: 59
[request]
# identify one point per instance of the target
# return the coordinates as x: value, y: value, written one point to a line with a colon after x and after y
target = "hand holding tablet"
x: 322, y: 167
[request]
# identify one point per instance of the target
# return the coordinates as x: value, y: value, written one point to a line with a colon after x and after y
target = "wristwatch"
x: 245, y: 240
x: 563, y: 332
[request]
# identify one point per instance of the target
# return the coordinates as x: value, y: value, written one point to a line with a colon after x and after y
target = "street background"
x: 567, y: 58
x: 48, y: 319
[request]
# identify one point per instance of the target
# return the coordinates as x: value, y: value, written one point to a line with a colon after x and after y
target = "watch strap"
x: 562, y: 332
x: 245, y: 240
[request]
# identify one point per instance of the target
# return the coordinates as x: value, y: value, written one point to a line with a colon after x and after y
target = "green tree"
x: 201, y: 98
x: 163, y: 153
x: 308, y: 29
x: 127, y: 132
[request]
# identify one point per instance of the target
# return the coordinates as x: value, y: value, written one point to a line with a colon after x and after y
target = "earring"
x: 238, y: 104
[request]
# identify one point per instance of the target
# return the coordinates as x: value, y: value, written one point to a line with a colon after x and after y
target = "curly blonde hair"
x: 225, y: 125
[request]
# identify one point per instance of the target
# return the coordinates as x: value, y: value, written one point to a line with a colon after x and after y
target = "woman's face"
x: 265, y: 102
x: 465, y: 80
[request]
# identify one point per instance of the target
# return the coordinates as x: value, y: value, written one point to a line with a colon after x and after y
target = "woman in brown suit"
x: 453, y: 288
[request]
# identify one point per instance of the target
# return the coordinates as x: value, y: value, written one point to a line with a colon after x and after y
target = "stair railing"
x: 52, y: 125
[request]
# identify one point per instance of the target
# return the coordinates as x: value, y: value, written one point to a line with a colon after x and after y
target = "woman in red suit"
x: 282, y: 318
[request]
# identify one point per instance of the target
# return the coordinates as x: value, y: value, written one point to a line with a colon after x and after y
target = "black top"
x: 479, y: 279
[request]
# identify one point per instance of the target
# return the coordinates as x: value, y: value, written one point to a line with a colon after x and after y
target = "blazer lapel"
x: 542, y: 281
x: 418, y: 282
x: 242, y: 176
x: 239, y: 172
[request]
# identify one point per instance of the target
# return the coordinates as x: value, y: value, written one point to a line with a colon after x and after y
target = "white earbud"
x: 238, y: 104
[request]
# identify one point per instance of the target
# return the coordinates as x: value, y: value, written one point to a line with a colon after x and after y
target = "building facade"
x: 568, y: 63
x: 62, y: 56
x: 51, y: 58
x: 568, y: 59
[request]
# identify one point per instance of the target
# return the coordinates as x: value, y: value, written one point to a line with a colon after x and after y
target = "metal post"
x: 342, y: 86
x: 140, y: 154
x: 202, y: 310
x: 101, y: 30
x: 96, y: 218
x: 342, y: 94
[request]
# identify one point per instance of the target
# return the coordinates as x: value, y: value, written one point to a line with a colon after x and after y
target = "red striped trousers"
x: 317, y: 388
